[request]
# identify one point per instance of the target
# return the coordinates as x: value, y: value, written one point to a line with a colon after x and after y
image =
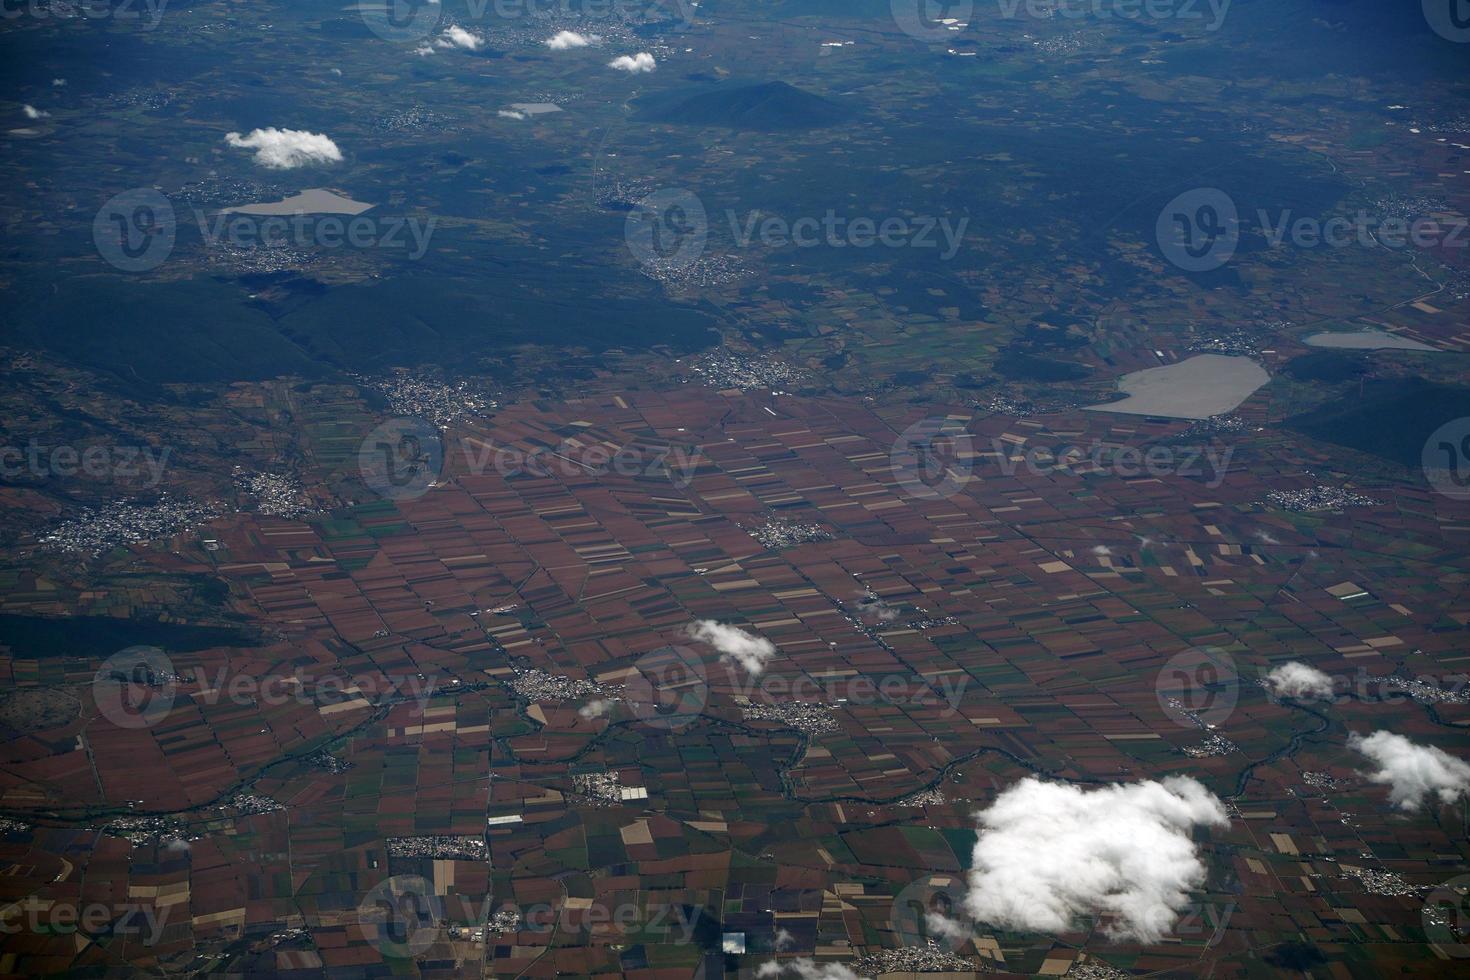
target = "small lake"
x: 1365, y: 340
x: 1202, y: 386
x: 318, y: 200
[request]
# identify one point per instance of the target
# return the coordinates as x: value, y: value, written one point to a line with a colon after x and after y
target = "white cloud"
x: 423, y: 51
x: 806, y: 968
x: 510, y: 114
x: 639, y: 63
x: 784, y: 939
x: 33, y: 113
x: 595, y: 708
x: 283, y: 149
x: 58, y: 82
x: 1413, y: 772
x: 566, y: 40
x: 1295, y: 679
x: 748, y: 650
x: 1048, y: 853
x: 1101, y: 549
x: 455, y: 36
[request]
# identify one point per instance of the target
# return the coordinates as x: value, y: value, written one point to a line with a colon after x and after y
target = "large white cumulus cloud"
x: 1413, y: 772
x: 283, y: 149
x: 1049, y: 853
x: 748, y: 650
x: 638, y: 64
x: 1299, y: 681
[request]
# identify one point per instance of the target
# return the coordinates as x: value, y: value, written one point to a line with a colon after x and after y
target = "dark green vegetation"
x: 1329, y: 366
x: 39, y: 638
x: 1021, y: 366
x: 1391, y: 419
x: 769, y: 106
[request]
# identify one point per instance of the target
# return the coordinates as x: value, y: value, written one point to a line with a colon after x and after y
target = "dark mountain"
x: 767, y: 106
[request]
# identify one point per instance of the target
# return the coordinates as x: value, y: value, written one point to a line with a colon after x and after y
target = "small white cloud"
x: 423, y: 50
x: 596, y: 708
x: 806, y: 968
x: 455, y: 36
x: 511, y: 114
x: 637, y: 64
x: 58, y: 82
x: 1101, y: 550
x: 283, y: 149
x: 1049, y: 853
x: 1413, y: 772
x: 1295, y: 679
x: 33, y: 113
x: 567, y: 40
x: 746, y: 649
x: 784, y: 940
x: 337, y: 72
